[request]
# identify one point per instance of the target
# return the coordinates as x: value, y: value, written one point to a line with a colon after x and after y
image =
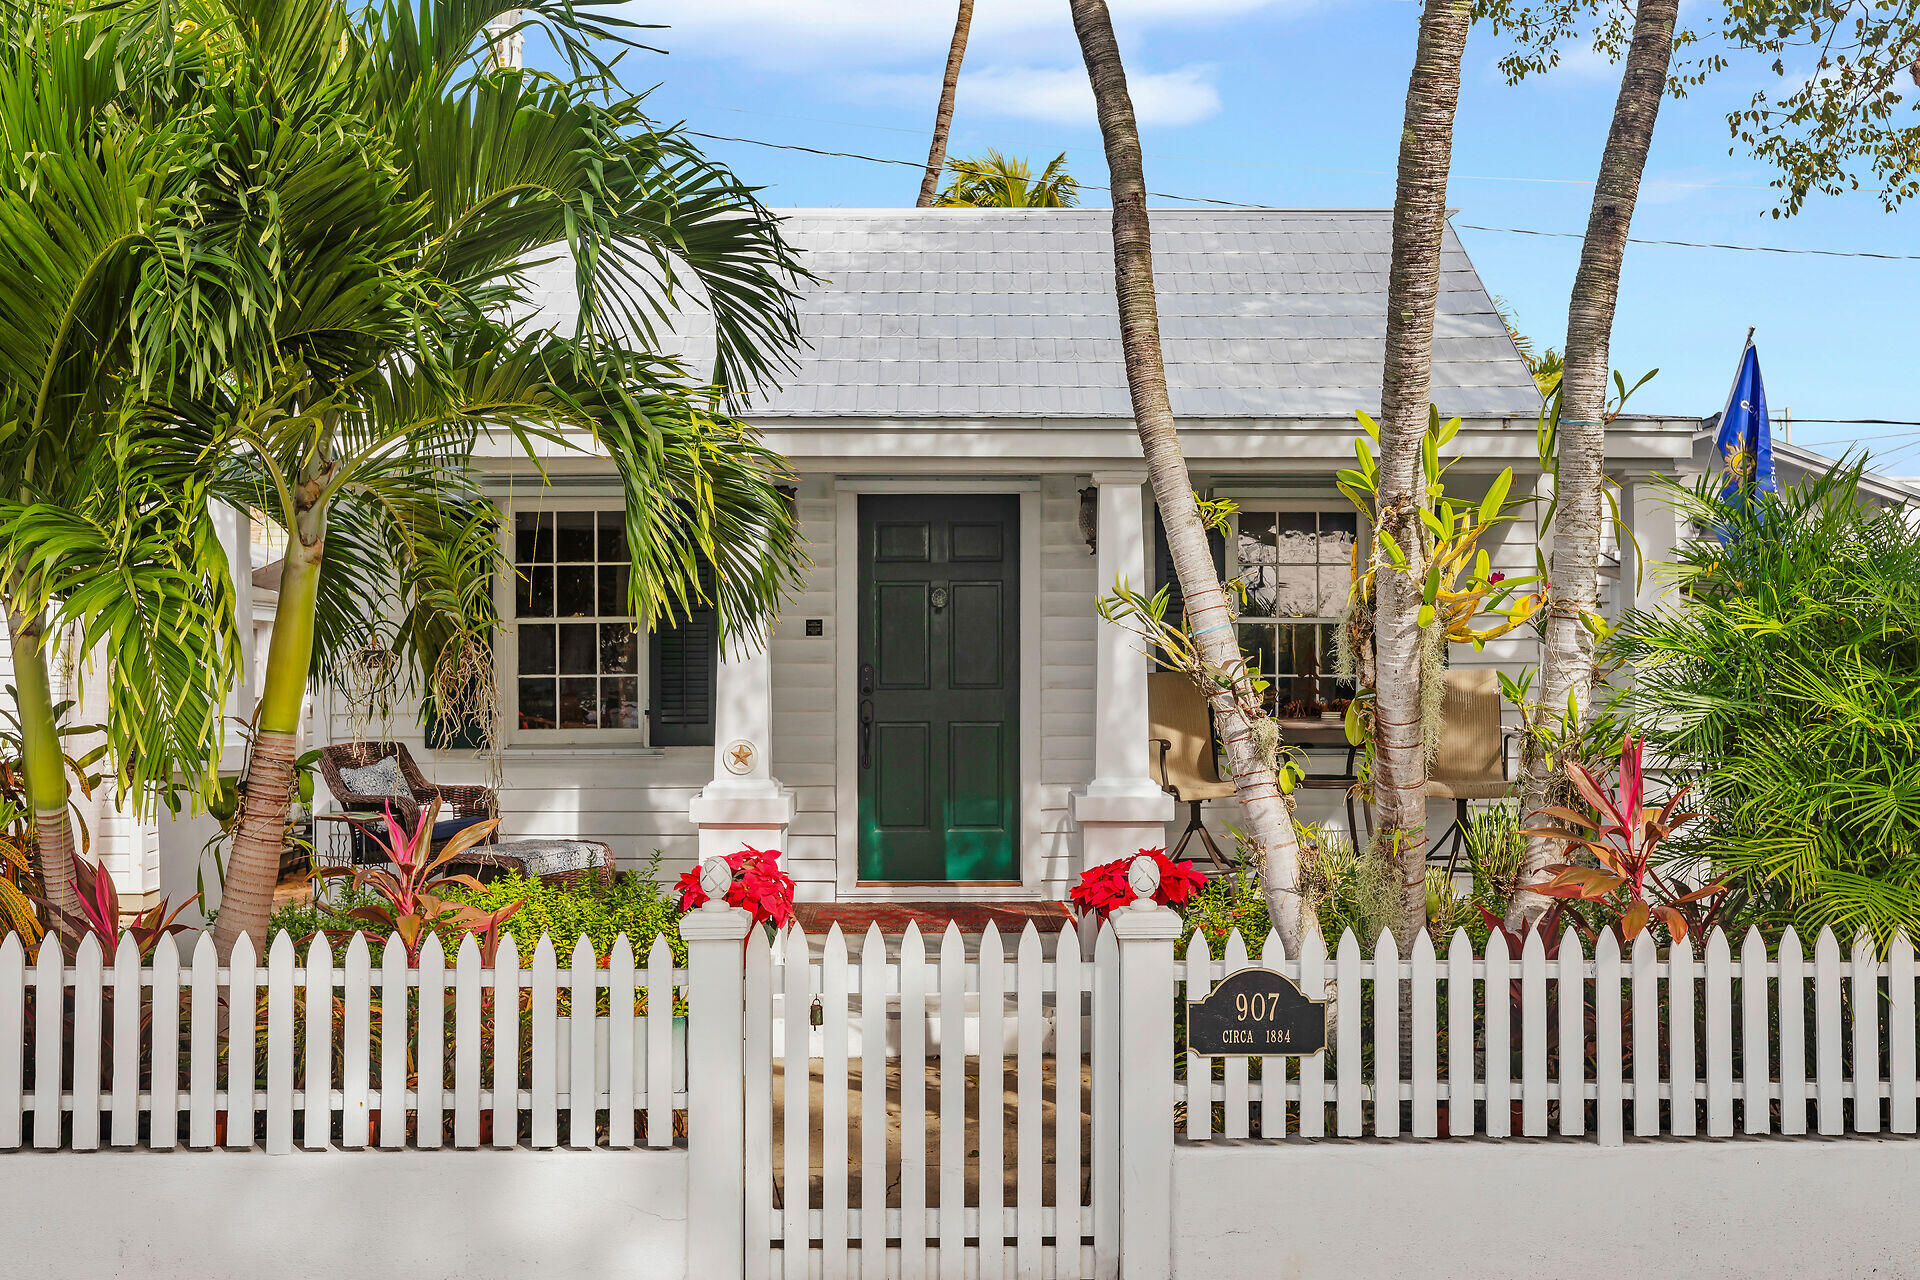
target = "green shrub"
x: 1344, y: 890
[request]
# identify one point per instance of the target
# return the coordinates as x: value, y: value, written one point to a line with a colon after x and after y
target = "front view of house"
x: 940, y: 712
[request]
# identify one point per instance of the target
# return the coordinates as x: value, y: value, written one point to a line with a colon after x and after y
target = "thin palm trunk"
x: 1567, y: 664
x: 1406, y: 393
x: 254, y: 866
x: 44, y: 764
x: 1268, y: 813
x: 943, y: 116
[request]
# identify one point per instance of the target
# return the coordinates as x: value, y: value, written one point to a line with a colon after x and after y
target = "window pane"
x: 575, y: 538
x: 619, y: 648
x: 1255, y: 545
x: 536, y: 651
x: 574, y: 590
x: 1262, y: 584
x: 532, y: 536
x: 620, y: 703
x: 536, y: 704
x: 613, y: 536
x: 1337, y: 532
x: 579, y: 704
x: 1336, y: 584
x: 1294, y: 537
x: 533, y: 592
x: 613, y: 590
x: 1293, y: 591
x: 576, y: 649
x: 1256, y: 647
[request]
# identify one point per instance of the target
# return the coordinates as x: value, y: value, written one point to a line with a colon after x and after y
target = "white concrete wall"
x: 477, y: 1215
x: 1481, y: 1210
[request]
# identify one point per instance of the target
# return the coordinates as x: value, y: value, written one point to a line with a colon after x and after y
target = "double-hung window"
x: 1294, y: 559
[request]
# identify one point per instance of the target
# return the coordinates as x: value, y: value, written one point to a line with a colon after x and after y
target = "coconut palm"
x: 994, y: 181
x: 395, y: 184
x: 943, y: 114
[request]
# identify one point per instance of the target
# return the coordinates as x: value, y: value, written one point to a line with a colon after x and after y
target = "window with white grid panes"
x: 577, y: 660
x: 1295, y: 561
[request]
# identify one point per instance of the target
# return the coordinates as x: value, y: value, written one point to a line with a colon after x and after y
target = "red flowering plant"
x: 1104, y: 889
x: 758, y: 886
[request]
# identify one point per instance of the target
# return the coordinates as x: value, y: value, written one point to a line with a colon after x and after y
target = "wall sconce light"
x: 1089, y: 519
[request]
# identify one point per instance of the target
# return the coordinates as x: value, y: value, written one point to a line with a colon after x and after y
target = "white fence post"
x: 1146, y: 936
x: 716, y: 1098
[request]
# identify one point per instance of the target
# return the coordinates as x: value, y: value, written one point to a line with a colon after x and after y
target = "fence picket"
x: 1533, y: 1035
x: 1901, y: 1083
x: 544, y: 1031
x: 873, y: 1102
x: 759, y: 1108
x: 1349, y: 1087
x: 49, y: 1009
x: 796, y: 1191
x: 128, y: 1001
x: 280, y: 1002
x: 316, y: 1122
x: 203, y: 1041
x: 583, y: 1005
x: 1719, y: 1036
x: 86, y: 1045
x: 1238, y: 1094
x: 1865, y: 983
x: 833, y: 1104
x: 1386, y: 1037
x: 1827, y: 1047
x: 951, y: 1213
x: 990, y: 1106
x: 355, y: 1043
x: 1273, y: 1071
x: 660, y: 1064
x: 1068, y: 982
x: 1198, y: 973
x: 1646, y: 1037
x: 13, y: 1039
x: 1499, y: 1045
x: 1793, y: 1050
x: 913, y: 1104
x: 1460, y: 1004
x: 1756, y: 1047
x: 431, y: 1075
x: 242, y: 1002
x: 1424, y: 1028
x: 466, y: 1045
x: 506, y: 1043
x: 1570, y: 986
x: 1680, y: 1038
x: 620, y: 1035
x: 1106, y: 1103
x: 1608, y: 1094
x: 1029, y: 1016
x: 1313, y: 1071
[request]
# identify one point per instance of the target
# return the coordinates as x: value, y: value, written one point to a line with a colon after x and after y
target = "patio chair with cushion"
x: 1182, y: 728
x: 368, y: 777
x: 1471, y: 763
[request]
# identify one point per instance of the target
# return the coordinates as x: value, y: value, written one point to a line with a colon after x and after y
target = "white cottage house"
x: 940, y: 713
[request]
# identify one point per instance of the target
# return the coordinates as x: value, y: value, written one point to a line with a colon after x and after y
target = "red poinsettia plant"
x: 1104, y: 889
x: 1623, y: 835
x: 759, y: 886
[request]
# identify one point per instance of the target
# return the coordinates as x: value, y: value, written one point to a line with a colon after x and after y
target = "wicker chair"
x: 456, y: 802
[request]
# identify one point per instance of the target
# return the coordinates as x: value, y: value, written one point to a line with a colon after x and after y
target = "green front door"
x: 939, y: 681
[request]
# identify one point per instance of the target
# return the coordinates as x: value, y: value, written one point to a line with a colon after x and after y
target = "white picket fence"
x: 118, y: 1054
x: 1649, y: 1044
x: 901, y: 1018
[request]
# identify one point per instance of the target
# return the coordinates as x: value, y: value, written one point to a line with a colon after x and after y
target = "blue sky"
x: 1297, y: 103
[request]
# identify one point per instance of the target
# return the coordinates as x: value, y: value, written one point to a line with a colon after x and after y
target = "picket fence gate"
x: 328, y: 1056
x: 899, y: 1017
x: 1561, y: 1043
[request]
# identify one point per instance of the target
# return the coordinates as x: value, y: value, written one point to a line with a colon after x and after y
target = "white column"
x: 1122, y: 810
x: 716, y: 1118
x: 1146, y: 934
x: 1656, y: 529
x: 744, y: 804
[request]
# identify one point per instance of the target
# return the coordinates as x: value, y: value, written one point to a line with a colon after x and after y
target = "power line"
x: 921, y: 165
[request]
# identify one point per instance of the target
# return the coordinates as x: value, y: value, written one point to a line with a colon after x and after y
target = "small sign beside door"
x: 1256, y: 1013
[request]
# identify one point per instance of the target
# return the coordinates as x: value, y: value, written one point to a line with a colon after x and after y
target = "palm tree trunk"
x: 1406, y: 392
x: 254, y: 866
x: 1268, y: 813
x: 44, y: 764
x: 1567, y: 665
x: 943, y: 116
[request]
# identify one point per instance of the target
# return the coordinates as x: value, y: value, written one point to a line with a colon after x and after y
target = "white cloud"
x: 1060, y: 95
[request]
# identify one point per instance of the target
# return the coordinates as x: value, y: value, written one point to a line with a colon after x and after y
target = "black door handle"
x: 866, y: 733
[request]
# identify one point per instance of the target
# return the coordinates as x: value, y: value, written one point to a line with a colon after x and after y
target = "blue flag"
x: 1745, y: 443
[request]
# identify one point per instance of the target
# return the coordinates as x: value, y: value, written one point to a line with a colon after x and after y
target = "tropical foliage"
x: 409, y: 896
x: 995, y: 181
x: 1787, y: 678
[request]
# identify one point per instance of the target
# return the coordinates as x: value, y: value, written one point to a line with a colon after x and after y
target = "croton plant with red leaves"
x: 1104, y: 889
x: 759, y: 886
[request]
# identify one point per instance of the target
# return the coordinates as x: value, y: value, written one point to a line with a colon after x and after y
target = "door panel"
x: 939, y: 688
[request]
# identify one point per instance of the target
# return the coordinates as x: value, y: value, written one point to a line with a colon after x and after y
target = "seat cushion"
x: 1464, y: 789
x: 447, y: 828
x: 380, y: 780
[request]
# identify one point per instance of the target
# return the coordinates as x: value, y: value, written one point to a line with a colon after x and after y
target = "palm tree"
x: 1400, y: 643
x: 1249, y: 743
x: 1567, y: 674
x: 943, y: 114
x: 102, y: 514
x: 398, y: 183
x: 994, y: 181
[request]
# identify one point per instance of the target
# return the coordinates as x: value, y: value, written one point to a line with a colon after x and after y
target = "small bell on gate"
x: 817, y: 1016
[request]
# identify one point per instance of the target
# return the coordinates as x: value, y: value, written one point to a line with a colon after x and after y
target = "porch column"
x: 1656, y: 528
x: 744, y: 804
x: 1122, y: 810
